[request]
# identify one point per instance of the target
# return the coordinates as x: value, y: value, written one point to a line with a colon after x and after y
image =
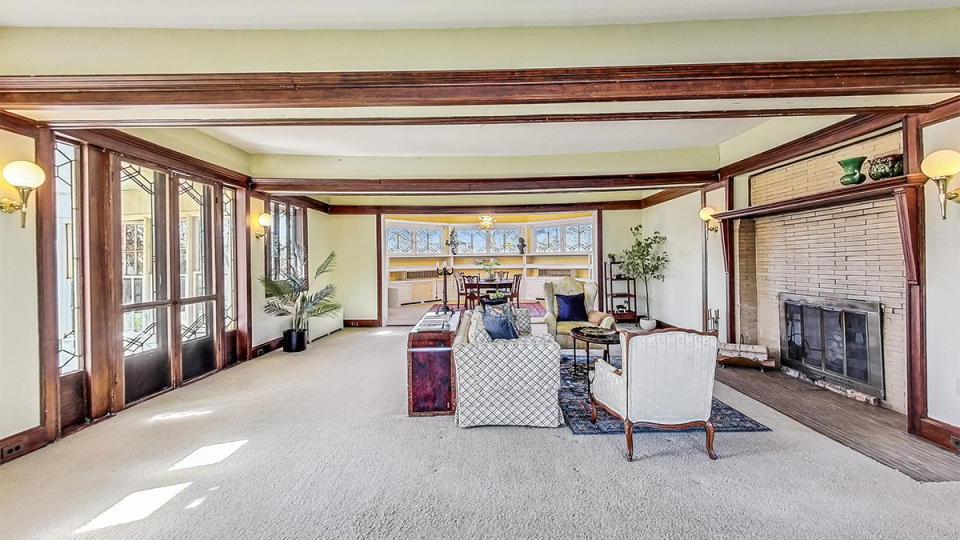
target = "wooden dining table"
x: 496, y: 284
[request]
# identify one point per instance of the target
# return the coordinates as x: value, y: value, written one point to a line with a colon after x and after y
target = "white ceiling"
x: 483, y: 140
x: 388, y: 14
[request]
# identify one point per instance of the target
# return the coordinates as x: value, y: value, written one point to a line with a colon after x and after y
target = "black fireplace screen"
x: 834, y: 339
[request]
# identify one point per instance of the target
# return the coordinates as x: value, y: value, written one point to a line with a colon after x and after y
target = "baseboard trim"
x: 28, y: 440
x: 361, y: 323
x: 266, y: 347
x: 940, y: 433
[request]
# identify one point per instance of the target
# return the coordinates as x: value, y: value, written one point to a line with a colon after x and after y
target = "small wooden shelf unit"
x: 619, y: 290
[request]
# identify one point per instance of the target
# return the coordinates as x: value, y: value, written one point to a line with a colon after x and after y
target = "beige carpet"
x: 330, y: 452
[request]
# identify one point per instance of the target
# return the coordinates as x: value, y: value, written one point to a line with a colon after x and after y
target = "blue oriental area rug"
x: 576, y: 407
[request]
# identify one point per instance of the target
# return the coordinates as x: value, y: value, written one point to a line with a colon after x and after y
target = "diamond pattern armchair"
x: 506, y: 382
x: 666, y: 382
x: 560, y: 330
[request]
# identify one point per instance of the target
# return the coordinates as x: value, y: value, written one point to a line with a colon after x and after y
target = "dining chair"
x: 515, y: 289
x: 461, y: 290
x: 471, y: 285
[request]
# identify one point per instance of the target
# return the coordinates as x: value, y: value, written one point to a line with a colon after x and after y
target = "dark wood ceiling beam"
x: 483, y: 119
x: 489, y: 87
x: 630, y: 204
x: 384, y: 186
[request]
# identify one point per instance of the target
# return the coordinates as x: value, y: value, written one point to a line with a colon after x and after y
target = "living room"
x: 463, y: 270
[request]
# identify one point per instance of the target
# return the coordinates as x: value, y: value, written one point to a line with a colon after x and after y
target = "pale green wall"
x: 943, y: 286
x: 493, y: 199
x: 773, y: 132
x: 264, y: 327
x: 197, y: 144
x: 287, y: 166
x: 19, y: 326
x: 865, y: 35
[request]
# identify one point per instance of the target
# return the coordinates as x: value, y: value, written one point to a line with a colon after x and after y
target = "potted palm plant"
x: 645, y: 259
x: 290, y: 296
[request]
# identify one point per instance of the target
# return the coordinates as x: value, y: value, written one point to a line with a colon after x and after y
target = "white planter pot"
x: 648, y: 324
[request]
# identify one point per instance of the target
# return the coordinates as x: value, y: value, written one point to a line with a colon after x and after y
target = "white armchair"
x: 666, y: 382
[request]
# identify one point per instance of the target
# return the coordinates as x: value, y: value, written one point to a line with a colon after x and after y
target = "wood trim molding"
x: 46, y: 223
x: 940, y: 433
x: 480, y: 185
x: 28, y: 440
x: 135, y: 147
x: 487, y: 119
x: 379, y: 242
x: 630, y: 204
x: 665, y: 196
x: 873, y: 190
x: 910, y: 215
x: 944, y: 110
x: 361, y: 323
x: 264, y: 348
x: 18, y: 124
x: 485, y: 87
x: 834, y: 134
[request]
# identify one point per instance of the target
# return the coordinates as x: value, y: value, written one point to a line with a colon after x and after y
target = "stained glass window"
x: 578, y: 237
x: 504, y: 240
x: 69, y: 316
x: 399, y: 240
x: 428, y: 241
x: 472, y: 241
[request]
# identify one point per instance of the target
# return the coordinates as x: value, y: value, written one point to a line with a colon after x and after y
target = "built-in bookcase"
x: 554, y: 248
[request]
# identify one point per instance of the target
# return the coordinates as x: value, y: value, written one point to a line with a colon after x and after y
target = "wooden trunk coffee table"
x: 597, y: 336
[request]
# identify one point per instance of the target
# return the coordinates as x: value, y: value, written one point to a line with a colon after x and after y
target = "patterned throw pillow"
x: 499, y: 325
x: 478, y: 334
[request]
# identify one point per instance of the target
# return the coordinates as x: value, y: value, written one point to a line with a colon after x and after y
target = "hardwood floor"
x: 873, y: 431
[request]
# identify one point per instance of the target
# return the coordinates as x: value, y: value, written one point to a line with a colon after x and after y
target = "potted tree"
x: 645, y: 259
x: 290, y: 296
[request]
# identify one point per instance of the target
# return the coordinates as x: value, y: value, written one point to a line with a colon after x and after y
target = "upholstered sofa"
x: 560, y: 330
x: 506, y: 382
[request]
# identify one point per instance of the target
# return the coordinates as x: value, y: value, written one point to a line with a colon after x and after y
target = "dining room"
x: 458, y: 259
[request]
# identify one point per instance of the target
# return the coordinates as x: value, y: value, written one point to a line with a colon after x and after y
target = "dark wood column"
x: 910, y: 215
x: 46, y: 216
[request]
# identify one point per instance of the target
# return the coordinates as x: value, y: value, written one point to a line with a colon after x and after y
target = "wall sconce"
x: 941, y: 166
x: 706, y: 214
x: 26, y: 176
x: 266, y: 221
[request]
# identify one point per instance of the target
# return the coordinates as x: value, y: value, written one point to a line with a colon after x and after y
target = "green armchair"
x: 560, y: 330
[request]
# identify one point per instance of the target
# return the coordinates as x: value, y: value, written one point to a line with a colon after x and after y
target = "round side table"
x: 588, y: 335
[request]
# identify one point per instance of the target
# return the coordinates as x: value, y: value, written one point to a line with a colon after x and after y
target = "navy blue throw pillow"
x: 570, y: 308
x: 499, y: 326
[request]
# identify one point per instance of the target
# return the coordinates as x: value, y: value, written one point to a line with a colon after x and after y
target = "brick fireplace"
x: 843, y: 255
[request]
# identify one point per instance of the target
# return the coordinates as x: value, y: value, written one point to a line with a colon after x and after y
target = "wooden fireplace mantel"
x: 867, y: 191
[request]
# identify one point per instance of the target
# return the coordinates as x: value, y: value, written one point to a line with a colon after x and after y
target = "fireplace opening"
x: 834, y: 339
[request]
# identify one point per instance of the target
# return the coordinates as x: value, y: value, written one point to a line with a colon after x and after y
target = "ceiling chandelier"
x: 485, y: 223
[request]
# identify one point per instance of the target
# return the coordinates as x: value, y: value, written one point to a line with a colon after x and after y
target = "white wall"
x: 716, y: 275
x: 678, y: 300
x: 19, y: 326
x: 943, y: 286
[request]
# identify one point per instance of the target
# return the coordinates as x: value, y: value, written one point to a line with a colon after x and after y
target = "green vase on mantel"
x: 851, y: 169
